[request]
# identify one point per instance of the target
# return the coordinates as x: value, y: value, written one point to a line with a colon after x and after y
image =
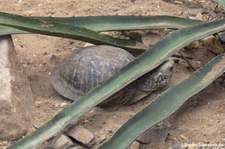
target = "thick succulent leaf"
x: 4, y: 30
x: 149, y: 60
x: 166, y: 104
x: 115, y: 23
x: 222, y: 2
x: 36, y: 25
x: 109, y: 23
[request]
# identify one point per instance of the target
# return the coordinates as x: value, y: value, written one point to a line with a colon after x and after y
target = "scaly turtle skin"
x: 86, y: 68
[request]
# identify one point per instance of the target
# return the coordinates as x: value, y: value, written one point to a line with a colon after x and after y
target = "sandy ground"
x: 200, y: 120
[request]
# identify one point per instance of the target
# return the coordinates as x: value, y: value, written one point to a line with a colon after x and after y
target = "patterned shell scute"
x: 86, y: 68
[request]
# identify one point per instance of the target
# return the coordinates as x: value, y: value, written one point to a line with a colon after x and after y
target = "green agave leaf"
x: 166, y: 104
x: 4, y: 30
x: 61, y: 30
x: 115, y: 23
x: 110, y: 23
x: 149, y: 60
x: 222, y: 2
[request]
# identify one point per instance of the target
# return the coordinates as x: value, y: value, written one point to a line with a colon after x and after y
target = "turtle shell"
x: 86, y: 68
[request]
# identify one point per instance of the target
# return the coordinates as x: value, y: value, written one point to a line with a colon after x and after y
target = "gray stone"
x: 16, y: 98
x: 81, y: 135
x: 213, y: 44
x: 61, y: 142
x: 195, y: 11
x: 153, y: 135
x: 221, y: 36
x: 134, y: 145
x: 102, y: 138
x: 193, y: 45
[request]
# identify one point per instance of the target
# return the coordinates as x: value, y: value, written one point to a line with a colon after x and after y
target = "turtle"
x: 87, y: 67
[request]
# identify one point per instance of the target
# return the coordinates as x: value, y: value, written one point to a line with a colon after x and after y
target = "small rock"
x: 150, y: 38
x: 183, y: 137
x: 196, y: 64
x: 100, y: 7
x: 134, y: 145
x: 213, y: 44
x: 56, y: 105
x: 185, y: 14
x: 110, y: 131
x: 221, y: 37
x: 102, y: 138
x: 178, y: 2
x: 145, y: 138
x: 63, y: 104
x: 82, y: 135
x: 195, y: 11
x: 193, y: 45
x: 61, y: 142
x: 153, y: 135
x: 199, y: 16
x: 86, y: 121
x: 88, y: 44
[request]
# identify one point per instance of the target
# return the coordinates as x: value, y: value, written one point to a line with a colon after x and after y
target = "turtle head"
x: 157, y: 78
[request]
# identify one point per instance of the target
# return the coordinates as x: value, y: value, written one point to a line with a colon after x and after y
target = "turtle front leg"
x: 133, y: 94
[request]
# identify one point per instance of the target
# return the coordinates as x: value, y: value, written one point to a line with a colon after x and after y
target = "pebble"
x: 199, y: 16
x: 193, y: 45
x: 61, y: 142
x: 213, y: 44
x: 221, y: 36
x: 63, y: 104
x: 195, y: 11
x: 183, y: 137
x: 196, y: 64
x: 145, y: 138
x: 177, y: 2
x: 88, y: 44
x: 153, y: 135
x: 102, y: 138
x: 134, y: 145
x: 56, y: 105
x: 110, y: 131
x: 86, y: 121
x: 82, y: 135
